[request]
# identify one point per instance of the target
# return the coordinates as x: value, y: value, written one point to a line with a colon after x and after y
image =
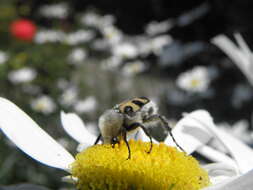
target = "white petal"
x: 69, y: 179
x: 241, y: 153
x: 219, y: 172
x: 142, y: 136
x: 241, y: 56
x: 82, y: 147
x: 215, y: 155
x: 30, y: 138
x: 189, y: 133
x: 243, y: 182
x: 75, y: 127
x: 233, y: 52
x: 216, y: 180
x: 242, y: 44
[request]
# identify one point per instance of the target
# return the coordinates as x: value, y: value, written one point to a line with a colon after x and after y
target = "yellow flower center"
x: 40, y: 106
x: 195, y: 82
x: 102, y: 167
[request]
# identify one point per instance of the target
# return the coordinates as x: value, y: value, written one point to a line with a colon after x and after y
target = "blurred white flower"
x: 43, y: 104
x: 147, y: 45
x: 23, y: 75
x: 143, y: 44
x: 107, y: 20
x: 80, y: 36
x: 95, y: 20
x: 125, y: 50
x: 77, y: 56
x: 3, y: 57
x: 154, y: 27
x: 90, y: 19
x: 112, y: 34
x: 69, y: 96
x: 195, y: 80
x: 132, y: 68
x: 87, y: 105
x: 44, y: 36
x: 241, y: 55
x: 59, y: 10
x: 111, y: 63
x: 73, y: 38
x: 192, y: 15
x: 159, y: 42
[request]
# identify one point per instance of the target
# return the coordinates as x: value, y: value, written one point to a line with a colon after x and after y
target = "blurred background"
x: 86, y: 56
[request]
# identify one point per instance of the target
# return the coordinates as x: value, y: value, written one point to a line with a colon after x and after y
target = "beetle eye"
x: 128, y: 110
x: 114, y: 140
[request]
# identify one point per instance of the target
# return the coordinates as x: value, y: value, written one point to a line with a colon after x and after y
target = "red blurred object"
x: 23, y: 29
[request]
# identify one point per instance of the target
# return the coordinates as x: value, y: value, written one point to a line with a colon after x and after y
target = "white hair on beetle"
x: 110, y: 124
x: 150, y: 108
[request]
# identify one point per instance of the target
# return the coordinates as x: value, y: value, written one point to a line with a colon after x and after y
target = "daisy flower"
x: 107, y: 20
x: 80, y: 36
x: 90, y: 19
x: 133, y: 68
x: 147, y: 45
x: 77, y: 56
x: 154, y: 27
x: 44, y: 36
x: 143, y: 45
x: 43, y: 104
x: 112, y: 63
x: 94, y: 20
x: 125, y: 50
x: 69, y: 96
x: 159, y: 42
x: 195, y: 80
x: 112, y: 34
x: 104, y: 167
x: 23, y: 75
